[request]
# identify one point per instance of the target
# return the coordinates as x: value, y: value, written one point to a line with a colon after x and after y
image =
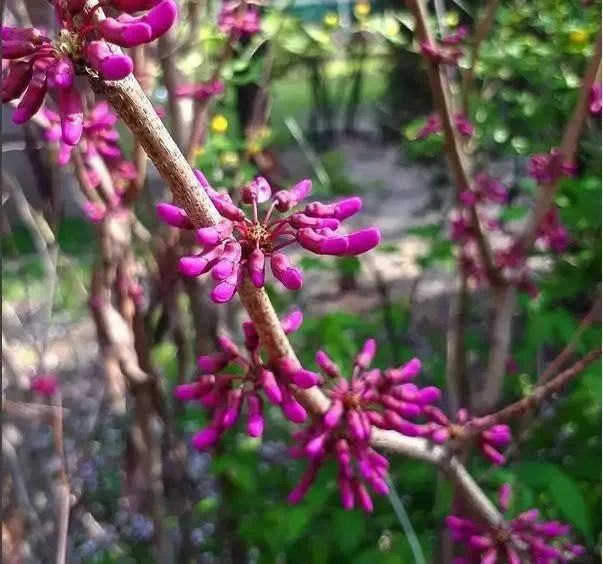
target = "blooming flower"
x: 39, y: 64
x: 225, y: 394
x: 362, y: 10
x: 548, y: 168
x: 541, y: 540
x: 551, y: 233
x: 46, y: 385
x: 239, y: 19
x: 219, y: 124
x: 331, y: 19
x: 386, y: 399
x: 485, y: 188
x: 490, y: 441
x: 239, y: 245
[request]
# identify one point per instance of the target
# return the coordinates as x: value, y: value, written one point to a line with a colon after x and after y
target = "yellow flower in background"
x: 362, y: 9
x: 392, y: 27
x: 452, y: 19
x: 229, y: 159
x: 265, y: 133
x: 254, y: 148
x: 219, y: 124
x: 331, y: 19
x: 200, y: 152
x: 578, y: 37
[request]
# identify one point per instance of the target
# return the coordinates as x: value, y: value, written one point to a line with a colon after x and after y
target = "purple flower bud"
x: 292, y: 322
x: 300, y: 220
x: 292, y: 409
x: 72, y: 115
x: 504, y: 497
x: 406, y: 372
x: 227, y: 209
x: 34, y: 95
x: 161, y: 18
x: 288, y: 275
x: 257, y: 191
x: 327, y: 365
x: 212, y: 363
x: 197, y: 265
x: 252, y: 341
x: 61, y: 74
x: 315, y: 447
x: 17, y: 49
x: 320, y: 244
x: 256, y: 267
x: 347, y: 494
x: 109, y: 65
x: 362, y: 241
x: 228, y: 263
x: 206, y: 438
x: 363, y: 497
x: 214, y: 234
x: 333, y: 415
x: 228, y: 346
x: 255, y: 419
x: 225, y: 290
x: 430, y: 394
x: 16, y: 82
x: 340, y: 210
x: 492, y: 454
x: 367, y: 353
x: 288, y: 199
x: 302, y: 488
x: 128, y: 34
x: 270, y: 387
x: 130, y: 6
x: 173, y: 215
x: 354, y: 424
x: 401, y: 425
x: 233, y: 405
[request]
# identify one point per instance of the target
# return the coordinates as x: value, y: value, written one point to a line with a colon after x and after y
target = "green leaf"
x: 348, y: 527
x: 568, y: 498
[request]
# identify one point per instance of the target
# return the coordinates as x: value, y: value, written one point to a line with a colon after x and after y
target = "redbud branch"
x: 536, y: 397
x: 135, y: 110
x: 459, y: 161
x: 481, y: 31
x: 568, y: 148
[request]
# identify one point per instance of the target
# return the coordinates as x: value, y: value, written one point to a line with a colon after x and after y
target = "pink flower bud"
x: 256, y: 268
x: 34, y: 95
x: 270, y: 387
x: 227, y: 209
x: 45, y: 385
x: 214, y: 234
x: 315, y: 448
x: 252, y: 341
x: 333, y: 415
x: 132, y: 6
x: 233, y: 405
x: 504, y: 497
x: 197, y: 265
x: 288, y: 199
x: 109, y: 65
x: 347, y: 494
x: 212, y: 363
x: 288, y: 275
x: 17, y: 49
x: 327, y: 365
x: 362, y: 241
x: 320, y: 244
x: 161, y: 18
x: 492, y: 454
x: 302, y: 488
x: 72, y: 115
x: 16, y: 82
x: 257, y: 191
x: 228, y: 263
x: 367, y: 353
x: 128, y: 34
x: 225, y: 290
x: 206, y: 438
x: 300, y: 220
x: 61, y: 74
x: 340, y: 210
x: 292, y: 409
x: 406, y: 372
x: 292, y: 322
x: 363, y: 497
x: 255, y: 419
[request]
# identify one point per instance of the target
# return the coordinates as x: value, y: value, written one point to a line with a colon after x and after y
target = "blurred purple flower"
x: 201, y: 91
x: 45, y: 384
x: 239, y: 19
x: 437, y: 54
x: 594, y: 99
x: 239, y: 245
x: 548, y: 168
x: 458, y: 36
x: 490, y: 441
x: 543, y: 541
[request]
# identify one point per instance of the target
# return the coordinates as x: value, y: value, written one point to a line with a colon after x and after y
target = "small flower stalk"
x: 241, y: 246
x: 544, y: 542
x: 225, y: 395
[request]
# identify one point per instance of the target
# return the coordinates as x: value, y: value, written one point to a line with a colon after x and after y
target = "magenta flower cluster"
x: 225, y: 394
x: 239, y: 246
x: 46, y: 385
x: 433, y: 125
x: 489, y: 197
x: 549, y: 168
x: 542, y: 541
x: 459, y: 35
x: 40, y: 64
x: 239, y: 19
x: 446, y: 54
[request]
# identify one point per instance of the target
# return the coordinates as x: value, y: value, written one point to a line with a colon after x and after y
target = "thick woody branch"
x: 459, y: 161
x: 136, y: 111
